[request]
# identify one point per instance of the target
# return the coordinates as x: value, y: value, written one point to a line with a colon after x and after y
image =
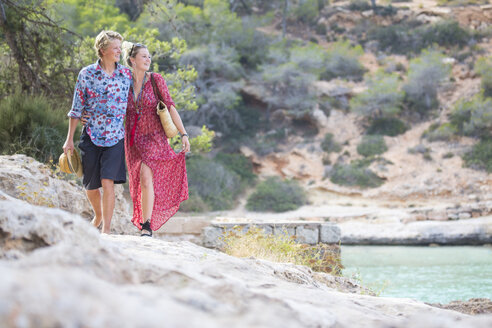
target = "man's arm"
x: 72, y: 126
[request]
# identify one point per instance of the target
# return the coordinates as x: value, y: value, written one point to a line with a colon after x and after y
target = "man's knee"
x: 92, y: 192
x: 107, y: 184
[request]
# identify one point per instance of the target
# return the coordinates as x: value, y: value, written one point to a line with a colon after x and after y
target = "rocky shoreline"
x: 462, y: 232
x: 57, y: 270
x: 22, y: 177
x: 473, y: 306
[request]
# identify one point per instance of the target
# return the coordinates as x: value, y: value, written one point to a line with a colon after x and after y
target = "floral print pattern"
x: 105, y: 99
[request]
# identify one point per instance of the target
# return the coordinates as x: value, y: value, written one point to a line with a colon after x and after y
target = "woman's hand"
x: 186, y: 143
x: 84, y: 119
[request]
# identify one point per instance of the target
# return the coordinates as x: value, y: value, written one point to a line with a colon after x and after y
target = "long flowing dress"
x: 150, y: 146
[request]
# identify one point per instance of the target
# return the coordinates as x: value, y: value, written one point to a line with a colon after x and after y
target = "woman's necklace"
x: 136, y: 98
x: 136, y: 101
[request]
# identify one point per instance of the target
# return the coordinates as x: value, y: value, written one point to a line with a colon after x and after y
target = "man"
x: 102, y: 92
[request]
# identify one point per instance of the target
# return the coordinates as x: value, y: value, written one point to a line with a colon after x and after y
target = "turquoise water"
x: 429, y: 274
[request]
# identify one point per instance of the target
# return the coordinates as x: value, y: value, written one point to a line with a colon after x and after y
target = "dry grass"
x: 281, y: 248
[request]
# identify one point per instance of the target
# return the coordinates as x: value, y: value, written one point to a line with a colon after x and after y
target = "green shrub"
x: 483, y: 67
x: 372, y: 145
x: 445, y: 33
x: 424, y: 77
x: 387, y: 127
x: 285, y: 77
x: 329, y: 144
x: 473, y: 117
x: 32, y: 125
x: 194, y: 204
x: 342, y: 60
x: 480, y: 156
x: 382, y: 98
x: 276, y: 195
x: 239, y: 164
x: 395, y: 38
x: 448, y: 155
x: 359, y: 5
x: 412, y: 37
x: 356, y: 173
x: 421, y: 149
x: 214, y: 183
x: 444, y: 132
x: 200, y: 144
x: 307, y: 11
x: 321, y: 29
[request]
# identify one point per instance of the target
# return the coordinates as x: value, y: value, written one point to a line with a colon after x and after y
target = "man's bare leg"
x: 107, y: 204
x: 94, y: 196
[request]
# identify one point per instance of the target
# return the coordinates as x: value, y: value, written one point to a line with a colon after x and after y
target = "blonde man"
x: 101, y: 91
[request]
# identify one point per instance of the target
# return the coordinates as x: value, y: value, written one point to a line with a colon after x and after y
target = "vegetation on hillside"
x: 243, y: 70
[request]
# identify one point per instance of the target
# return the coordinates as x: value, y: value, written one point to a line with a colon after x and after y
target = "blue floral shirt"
x: 105, y: 99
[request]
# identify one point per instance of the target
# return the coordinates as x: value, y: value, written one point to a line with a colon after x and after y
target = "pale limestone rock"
x: 319, y: 118
x: 307, y: 234
x: 211, y: 236
x: 23, y: 177
x: 467, y: 232
x: 86, y: 279
x: 329, y: 233
x: 284, y: 230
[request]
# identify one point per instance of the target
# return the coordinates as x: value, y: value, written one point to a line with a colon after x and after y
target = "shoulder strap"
x: 154, y: 86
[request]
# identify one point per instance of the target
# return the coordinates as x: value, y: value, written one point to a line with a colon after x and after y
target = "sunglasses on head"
x: 135, y: 45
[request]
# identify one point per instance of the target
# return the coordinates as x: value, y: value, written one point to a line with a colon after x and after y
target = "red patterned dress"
x: 150, y: 146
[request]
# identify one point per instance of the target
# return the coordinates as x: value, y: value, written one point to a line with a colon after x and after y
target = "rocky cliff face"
x: 57, y: 270
x: 24, y: 178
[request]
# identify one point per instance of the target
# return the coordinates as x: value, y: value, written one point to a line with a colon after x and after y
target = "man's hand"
x: 68, y: 146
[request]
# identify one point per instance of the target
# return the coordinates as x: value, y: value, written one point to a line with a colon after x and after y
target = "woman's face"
x: 112, y: 52
x: 142, y: 60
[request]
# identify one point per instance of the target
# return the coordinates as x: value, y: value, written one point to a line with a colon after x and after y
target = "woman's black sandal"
x: 146, y: 231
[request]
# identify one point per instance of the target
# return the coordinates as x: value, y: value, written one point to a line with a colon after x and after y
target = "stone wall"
x: 310, y: 233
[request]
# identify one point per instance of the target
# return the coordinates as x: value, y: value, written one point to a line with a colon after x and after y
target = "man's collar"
x: 117, y: 66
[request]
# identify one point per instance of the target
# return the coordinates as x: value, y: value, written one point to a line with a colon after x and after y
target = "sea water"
x: 430, y: 274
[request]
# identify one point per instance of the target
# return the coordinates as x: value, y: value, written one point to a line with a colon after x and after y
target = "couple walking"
x: 105, y: 94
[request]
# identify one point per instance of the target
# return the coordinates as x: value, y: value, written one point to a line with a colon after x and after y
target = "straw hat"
x: 71, y: 163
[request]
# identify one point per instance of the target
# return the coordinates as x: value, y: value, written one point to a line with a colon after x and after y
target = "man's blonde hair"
x: 103, y: 40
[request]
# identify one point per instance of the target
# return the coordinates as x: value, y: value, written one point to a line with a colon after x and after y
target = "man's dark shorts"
x: 101, y: 162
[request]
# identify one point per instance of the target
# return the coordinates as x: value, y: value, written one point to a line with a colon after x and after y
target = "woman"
x: 101, y: 92
x: 158, y: 181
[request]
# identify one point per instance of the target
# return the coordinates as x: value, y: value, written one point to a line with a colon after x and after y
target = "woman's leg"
x: 147, y: 187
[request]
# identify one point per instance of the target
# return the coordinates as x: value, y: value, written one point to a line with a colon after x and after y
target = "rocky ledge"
x: 472, y: 306
x: 58, y: 271
x: 22, y: 177
x: 395, y: 232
